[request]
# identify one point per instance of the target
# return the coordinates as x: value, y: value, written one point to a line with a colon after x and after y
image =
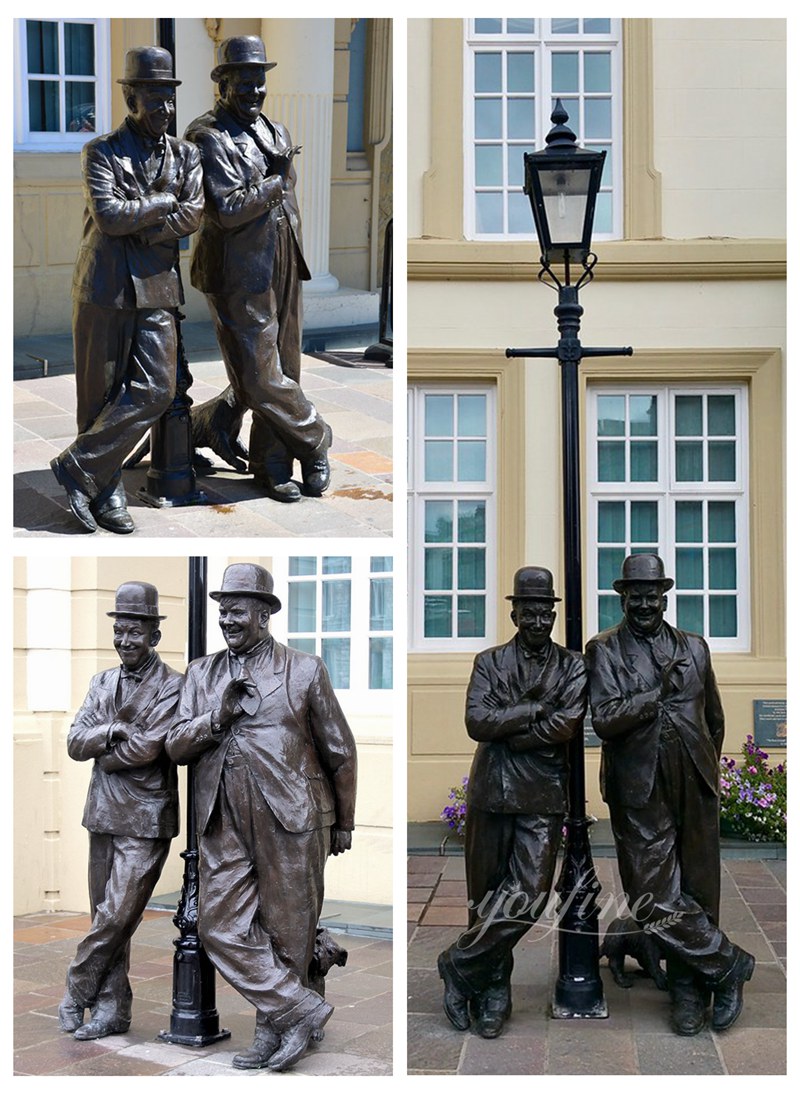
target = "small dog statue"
x: 327, y: 953
x: 624, y: 937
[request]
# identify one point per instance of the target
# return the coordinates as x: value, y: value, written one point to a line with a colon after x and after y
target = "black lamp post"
x: 562, y: 182
x: 194, y: 1019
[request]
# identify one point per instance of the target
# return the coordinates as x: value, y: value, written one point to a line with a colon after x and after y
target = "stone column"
x: 300, y: 96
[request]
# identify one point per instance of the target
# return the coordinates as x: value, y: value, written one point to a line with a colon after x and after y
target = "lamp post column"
x: 579, y: 989
x: 194, y: 1019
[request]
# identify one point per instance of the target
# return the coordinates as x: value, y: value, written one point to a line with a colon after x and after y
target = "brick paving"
x: 358, y: 1037
x: 635, y: 1039
x: 356, y: 402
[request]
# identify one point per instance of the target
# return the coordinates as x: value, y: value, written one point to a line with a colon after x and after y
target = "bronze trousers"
x: 261, y: 891
x: 267, y: 451
x: 247, y: 331
x: 125, y: 367
x: 669, y: 862
x: 510, y: 862
x: 123, y: 871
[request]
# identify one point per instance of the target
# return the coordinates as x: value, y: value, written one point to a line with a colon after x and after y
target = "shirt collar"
x: 264, y: 647
x: 147, y: 143
x: 539, y: 656
x: 138, y: 674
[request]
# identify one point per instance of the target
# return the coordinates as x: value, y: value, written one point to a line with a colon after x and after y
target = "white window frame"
x: 27, y: 141
x: 667, y: 490
x: 420, y: 491
x: 544, y: 43
x: 379, y: 699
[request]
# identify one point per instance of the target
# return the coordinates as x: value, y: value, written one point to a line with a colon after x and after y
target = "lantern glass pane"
x: 565, y: 191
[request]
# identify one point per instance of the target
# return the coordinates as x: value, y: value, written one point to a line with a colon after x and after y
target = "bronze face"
x: 644, y: 604
x: 245, y: 91
x: 152, y: 108
x: 534, y: 619
x: 134, y: 640
x: 244, y: 621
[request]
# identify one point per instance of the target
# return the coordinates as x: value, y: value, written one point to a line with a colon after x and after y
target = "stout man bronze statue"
x: 656, y: 706
x: 525, y: 701
x: 248, y: 261
x: 275, y: 782
x: 143, y: 192
x: 131, y: 809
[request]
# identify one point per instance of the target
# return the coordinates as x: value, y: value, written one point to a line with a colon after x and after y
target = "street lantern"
x: 562, y: 182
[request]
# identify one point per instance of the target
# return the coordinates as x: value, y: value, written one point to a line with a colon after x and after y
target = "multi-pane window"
x: 451, y: 517
x: 342, y: 611
x: 62, y: 91
x: 515, y: 69
x: 667, y: 470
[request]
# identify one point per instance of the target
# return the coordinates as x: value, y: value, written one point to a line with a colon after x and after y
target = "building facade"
x: 332, y: 88
x: 683, y: 443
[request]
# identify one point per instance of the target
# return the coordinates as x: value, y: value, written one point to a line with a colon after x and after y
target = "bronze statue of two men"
x: 233, y: 179
x: 275, y: 785
x: 656, y: 707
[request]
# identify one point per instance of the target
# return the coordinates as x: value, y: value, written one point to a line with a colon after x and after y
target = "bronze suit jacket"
x: 521, y: 763
x: 134, y: 786
x: 235, y: 249
x: 128, y: 257
x: 295, y: 738
x: 628, y: 715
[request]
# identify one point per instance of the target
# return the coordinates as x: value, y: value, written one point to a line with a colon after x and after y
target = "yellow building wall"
x: 689, y: 306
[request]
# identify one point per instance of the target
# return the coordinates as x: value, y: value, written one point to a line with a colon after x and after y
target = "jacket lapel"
x: 129, y: 164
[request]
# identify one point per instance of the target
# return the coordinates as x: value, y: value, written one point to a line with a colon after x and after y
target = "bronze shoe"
x: 114, y: 518
x: 70, y: 1014
x: 278, y: 491
x: 79, y: 500
x: 265, y: 1043
x: 295, y: 1041
x: 688, y: 1010
x: 494, y: 1010
x: 316, y: 469
x: 100, y: 1027
x: 729, y: 998
x: 454, y: 1001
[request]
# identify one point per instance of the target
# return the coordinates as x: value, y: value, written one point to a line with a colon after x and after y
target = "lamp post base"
x: 562, y: 1010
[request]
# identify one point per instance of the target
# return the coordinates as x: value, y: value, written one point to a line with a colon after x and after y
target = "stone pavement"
x: 356, y: 402
x: 635, y: 1038
x: 358, y: 1037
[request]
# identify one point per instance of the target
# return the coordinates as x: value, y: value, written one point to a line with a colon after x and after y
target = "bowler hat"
x: 137, y: 598
x: 643, y: 568
x: 149, y: 65
x: 247, y: 579
x: 533, y: 583
x: 243, y: 52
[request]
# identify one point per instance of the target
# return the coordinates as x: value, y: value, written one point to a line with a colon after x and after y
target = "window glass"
x: 451, y: 513
x: 514, y: 71
x: 666, y: 477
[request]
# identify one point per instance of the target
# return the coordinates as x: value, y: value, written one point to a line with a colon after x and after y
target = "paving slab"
x: 357, y: 402
x: 635, y: 1038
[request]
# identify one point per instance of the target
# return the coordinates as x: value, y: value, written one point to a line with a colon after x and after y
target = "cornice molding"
x: 626, y: 260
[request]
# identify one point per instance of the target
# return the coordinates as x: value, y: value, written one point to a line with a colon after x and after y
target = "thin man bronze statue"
x: 275, y: 784
x: 248, y: 261
x: 143, y: 192
x: 525, y: 701
x: 656, y: 706
x: 131, y: 810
